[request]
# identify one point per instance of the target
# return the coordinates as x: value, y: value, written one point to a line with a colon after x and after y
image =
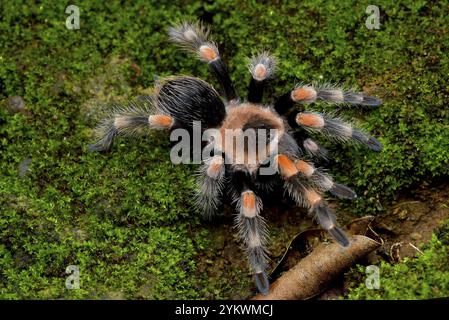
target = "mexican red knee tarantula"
x: 181, y: 100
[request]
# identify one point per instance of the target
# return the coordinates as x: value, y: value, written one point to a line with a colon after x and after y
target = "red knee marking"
x: 260, y: 72
x: 310, y: 120
x: 286, y: 166
x: 304, y: 167
x: 160, y: 121
x: 249, y: 204
x: 304, y: 94
x: 208, y: 53
x: 214, y: 167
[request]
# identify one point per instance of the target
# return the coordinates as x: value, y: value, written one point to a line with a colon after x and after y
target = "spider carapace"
x: 281, y: 134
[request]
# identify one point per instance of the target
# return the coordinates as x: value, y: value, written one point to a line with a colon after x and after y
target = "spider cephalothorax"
x: 280, y: 133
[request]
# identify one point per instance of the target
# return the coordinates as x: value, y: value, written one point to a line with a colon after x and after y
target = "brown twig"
x: 319, y: 268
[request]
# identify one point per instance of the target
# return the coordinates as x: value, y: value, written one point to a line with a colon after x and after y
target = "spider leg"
x: 305, y: 94
x: 310, y: 146
x: 333, y: 94
x: 303, y: 174
x: 179, y: 101
x: 211, y: 180
x: 129, y: 120
x: 335, y: 128
x: 195, y: 37
x: 326, y: 218
x: 307, y: 196
x: 251, y: 228
x: 322, y: 181
x: 262, y: 69
x: 253, y: 231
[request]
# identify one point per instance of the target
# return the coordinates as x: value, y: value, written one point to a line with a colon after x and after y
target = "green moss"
x: 125, y: 217
x: 423, y: 277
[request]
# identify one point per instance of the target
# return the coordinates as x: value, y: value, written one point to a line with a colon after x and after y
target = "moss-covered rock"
x: 424, y: 277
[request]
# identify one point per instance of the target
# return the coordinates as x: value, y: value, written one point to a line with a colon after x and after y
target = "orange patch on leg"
x: 208, y: 53
x: 305, y: 94
x: 260, y: 72
x: 304, y: 167
x: 215, y: 166
x: 310, y: 120
x: 249, y: 204
x: 160, y: 121
x: 286, y: 166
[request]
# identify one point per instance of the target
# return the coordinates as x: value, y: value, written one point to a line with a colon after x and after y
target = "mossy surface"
x: 125, y: 217
x: 424, y: 277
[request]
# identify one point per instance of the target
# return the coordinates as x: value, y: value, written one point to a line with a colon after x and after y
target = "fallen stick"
x: 313, y: 273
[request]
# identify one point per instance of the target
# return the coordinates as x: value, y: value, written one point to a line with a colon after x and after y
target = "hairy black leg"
x: 211, y: 182
x: 310, y: 146
x: 128, y: 120
x: 335, y: 128
x: 195, y: 37
x: 306, y: 196
x: 332, y: 94
x: 320, y: 180
x: 284, y: 103
x: 262, y: 69
x: 251, y: 226
x: 219, y: 68
x: 304, y: 94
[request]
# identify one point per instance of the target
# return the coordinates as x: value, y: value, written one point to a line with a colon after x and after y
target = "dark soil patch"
x: 402, y: 229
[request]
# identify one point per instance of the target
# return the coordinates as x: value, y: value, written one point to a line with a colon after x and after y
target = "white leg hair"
x: 210, y: 181
x: 262, y: 66
x: 252, y: 230
x: 194, y: 37
x: 321, y: 180
x: 335, y: 128
x: 128, y: 120
x: 307, y: 196
x: 313, y: 149
x: 305, y: 93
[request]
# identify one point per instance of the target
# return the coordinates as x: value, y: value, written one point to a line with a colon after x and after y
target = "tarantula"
x: 180, y: 101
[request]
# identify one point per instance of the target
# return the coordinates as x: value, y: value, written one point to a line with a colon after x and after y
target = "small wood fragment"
x: 313, y: 273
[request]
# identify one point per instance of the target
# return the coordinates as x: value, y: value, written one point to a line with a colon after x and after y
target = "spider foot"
x: 262, y: 282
